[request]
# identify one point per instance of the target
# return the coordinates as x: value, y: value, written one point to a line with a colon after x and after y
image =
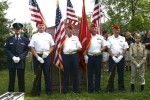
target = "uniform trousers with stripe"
x: 120, y: 71
x: 94, y: 66
x: 71, y: 61
x: 46, y: 72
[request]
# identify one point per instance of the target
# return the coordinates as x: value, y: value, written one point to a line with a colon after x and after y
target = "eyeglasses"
x: 41, y: 25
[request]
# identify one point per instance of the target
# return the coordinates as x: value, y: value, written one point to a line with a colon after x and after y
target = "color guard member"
x: 94, y: 63
x: 70, y: 59
x: 117, y: 47
x: 42, y: 44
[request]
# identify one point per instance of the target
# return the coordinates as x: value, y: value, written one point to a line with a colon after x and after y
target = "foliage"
x: 27, y: 30
x: 4, y: 29
x: 131, y: 15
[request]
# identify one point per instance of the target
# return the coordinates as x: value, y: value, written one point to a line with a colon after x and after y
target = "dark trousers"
x: 21, y: 82
x: 94, y: 66
x: 71, y: 60
x: 120, y: 71
x: 46, y: 72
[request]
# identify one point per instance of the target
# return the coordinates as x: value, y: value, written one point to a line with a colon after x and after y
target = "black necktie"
x: 17, y: 44
x: 17, y: 38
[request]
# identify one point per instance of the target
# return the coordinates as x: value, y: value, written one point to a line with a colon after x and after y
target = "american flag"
x: 59, y: 37
x: 97, y: 14
x: 36, y: 14
x: 71, y: 16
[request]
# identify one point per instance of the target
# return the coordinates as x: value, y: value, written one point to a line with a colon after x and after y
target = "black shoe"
x: 76, y: 91
x: 130, y: 68
x: 126, y: 68
x: 142, y: 88
x: 110, y: 90
x: 65, y: 92
x: 48, y: 93
x: 132, y: 87
x: 90, y: 91
x: 99, y: 91
x: 122, y: 90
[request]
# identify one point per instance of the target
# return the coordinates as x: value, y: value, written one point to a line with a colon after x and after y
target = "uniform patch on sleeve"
x: 5, y: 44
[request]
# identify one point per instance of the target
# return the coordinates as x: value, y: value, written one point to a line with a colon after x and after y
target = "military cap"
x: 70, y: 26
x: 93, y: 25
x: 17, y: 26
x: 116, y: 27
x: 40, y: 23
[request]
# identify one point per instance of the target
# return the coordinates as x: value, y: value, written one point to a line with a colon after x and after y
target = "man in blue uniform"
x: 16, y: 49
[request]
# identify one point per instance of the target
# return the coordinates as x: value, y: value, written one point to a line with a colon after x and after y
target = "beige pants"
x: 140, y: 71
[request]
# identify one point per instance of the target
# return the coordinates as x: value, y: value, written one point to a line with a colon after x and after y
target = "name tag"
x: 22, y: 44
x: 10, y: 43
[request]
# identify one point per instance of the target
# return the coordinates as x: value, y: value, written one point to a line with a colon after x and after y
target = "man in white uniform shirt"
x: 117, y: 47
x: 94, y: 52
x: 42, y: 45
x: 70, y: 59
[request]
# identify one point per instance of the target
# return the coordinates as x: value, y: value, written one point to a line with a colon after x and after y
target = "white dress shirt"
x: 117, y: 45
x: 41, y: 42
x: 96, y: 43
x: 71, y: 43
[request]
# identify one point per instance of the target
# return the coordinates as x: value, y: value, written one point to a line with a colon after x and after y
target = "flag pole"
x: 86, y: 77
x: 99, y: 22
x: 60, y: 79
x: 59, y: 67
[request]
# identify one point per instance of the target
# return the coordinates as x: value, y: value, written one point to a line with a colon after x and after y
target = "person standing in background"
x: 138, y: 59
x: 146, y: 42
x: 129, y: 40
x: 105, y: 54
x: 16, y: 49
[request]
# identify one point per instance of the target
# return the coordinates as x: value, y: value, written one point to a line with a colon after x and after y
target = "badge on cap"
x: 70, y: 26
x: 116, y: 27
x: 93, y: 25
x: 40, y: 23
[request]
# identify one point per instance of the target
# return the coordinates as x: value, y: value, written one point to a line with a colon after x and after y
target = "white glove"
x: 120, y: 57
x: 16, y: 59
x: 40, y: 60
x: 138, y: 66
x: 45, y: 54
x: 115, y: 59
x: 86, y: 59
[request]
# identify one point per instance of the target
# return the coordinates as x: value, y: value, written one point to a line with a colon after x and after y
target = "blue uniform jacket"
x: 19, y: 49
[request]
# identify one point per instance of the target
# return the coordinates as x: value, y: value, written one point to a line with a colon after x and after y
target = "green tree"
x: 4, y: 30
x: 131, y: 15
x: 27, y: 30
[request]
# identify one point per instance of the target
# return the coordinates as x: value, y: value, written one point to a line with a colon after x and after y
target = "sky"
x: 19, y: 10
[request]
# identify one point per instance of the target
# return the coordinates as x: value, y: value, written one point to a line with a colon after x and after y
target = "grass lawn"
x: 84, y: 95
